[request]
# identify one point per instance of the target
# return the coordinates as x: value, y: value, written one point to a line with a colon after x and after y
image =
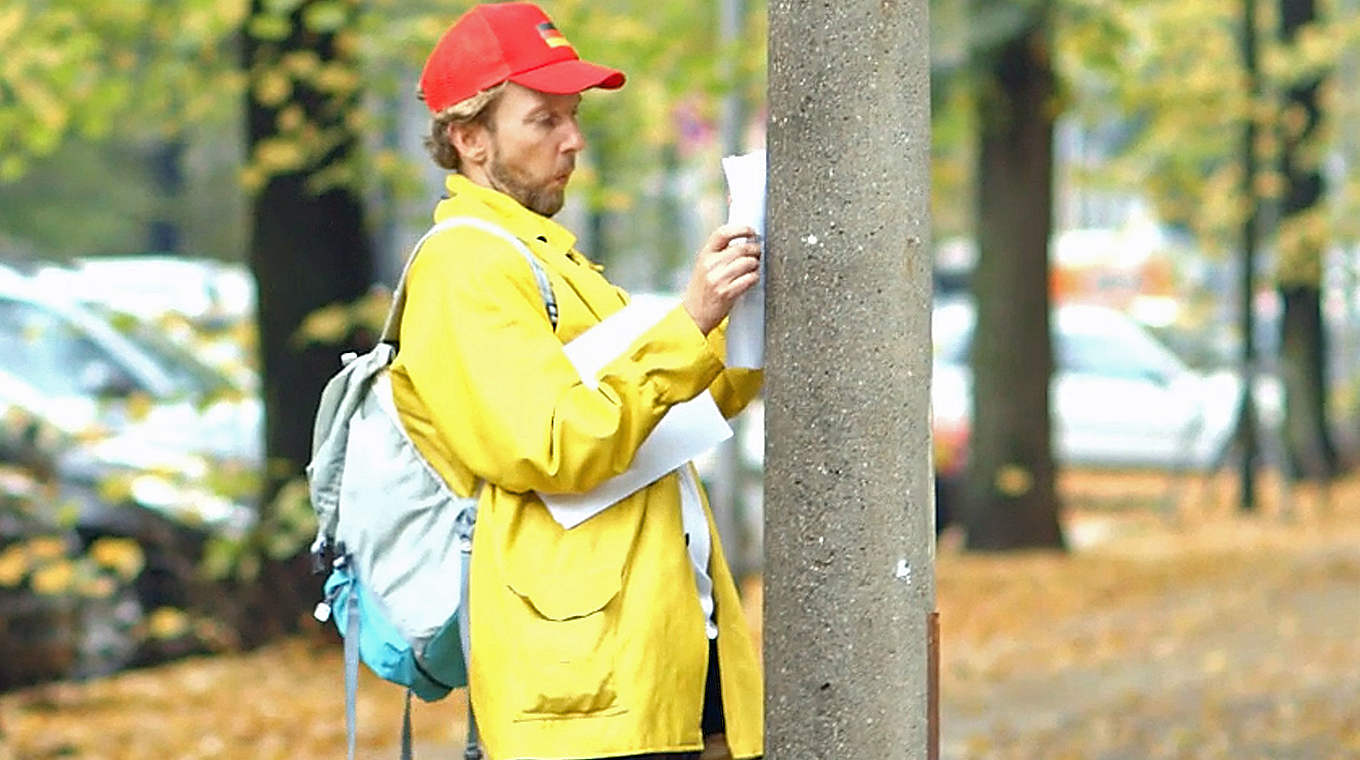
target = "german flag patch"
x: 550, y: 35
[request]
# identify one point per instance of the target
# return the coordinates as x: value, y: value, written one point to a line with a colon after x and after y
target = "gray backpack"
x: 396, y: 540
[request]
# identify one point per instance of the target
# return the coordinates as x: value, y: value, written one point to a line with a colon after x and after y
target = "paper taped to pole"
x: 746, y: 324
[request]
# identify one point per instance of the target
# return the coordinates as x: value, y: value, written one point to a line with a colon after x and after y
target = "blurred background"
x: 1146, y: 333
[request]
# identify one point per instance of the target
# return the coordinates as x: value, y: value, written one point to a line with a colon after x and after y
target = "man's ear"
x: 471, y: 140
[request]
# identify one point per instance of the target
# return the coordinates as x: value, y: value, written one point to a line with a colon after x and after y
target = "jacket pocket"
x: 569, y: 637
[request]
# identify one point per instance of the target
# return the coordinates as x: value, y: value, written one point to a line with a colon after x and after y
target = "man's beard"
x: 539, y: 199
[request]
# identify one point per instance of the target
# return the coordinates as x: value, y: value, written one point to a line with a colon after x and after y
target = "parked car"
x: 148, y: 286
x: 71, y: 367
x: 1119, y: 397
x: 108, y: 434
x: 68, y: 608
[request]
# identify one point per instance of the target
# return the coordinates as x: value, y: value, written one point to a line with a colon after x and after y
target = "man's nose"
x: 575, y: 141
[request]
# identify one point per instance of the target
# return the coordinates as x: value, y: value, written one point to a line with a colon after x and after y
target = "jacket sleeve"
x: 734, y: 387
x: 482, y: 356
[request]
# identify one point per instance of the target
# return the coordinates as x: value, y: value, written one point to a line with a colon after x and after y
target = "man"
x: 622, y: 636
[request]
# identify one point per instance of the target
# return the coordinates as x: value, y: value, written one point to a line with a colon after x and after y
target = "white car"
x: 149, y: 286
x: 131, y: 402
x: 1119, y: 397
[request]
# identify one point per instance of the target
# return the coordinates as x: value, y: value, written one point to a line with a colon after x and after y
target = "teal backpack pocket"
x: 386, y: 651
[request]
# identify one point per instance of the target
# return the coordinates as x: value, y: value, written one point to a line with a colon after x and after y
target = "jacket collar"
x: 500, y: 208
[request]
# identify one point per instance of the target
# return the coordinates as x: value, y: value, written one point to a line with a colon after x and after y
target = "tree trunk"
x: 1303, y: 354
x: 1303, y: 345
x: 167, y: 170
x: 1011, y: 500
x: 1245, y: 435
x: 307, y: 249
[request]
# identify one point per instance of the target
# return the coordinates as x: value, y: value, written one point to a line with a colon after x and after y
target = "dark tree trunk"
x: 1244, y: 436
x: 167, y: 169
x: 1303, y: 353
x: 1011, y: 501
x: 1303, y: 344
x: 307, y: 249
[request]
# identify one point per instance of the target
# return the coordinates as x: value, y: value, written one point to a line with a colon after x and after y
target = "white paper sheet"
x: 746, y: 326
x: 687, y: 431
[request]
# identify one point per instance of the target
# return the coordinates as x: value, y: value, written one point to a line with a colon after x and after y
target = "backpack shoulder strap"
x: 392, y: 327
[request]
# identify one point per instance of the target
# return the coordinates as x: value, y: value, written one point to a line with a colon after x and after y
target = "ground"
x: 1175, y: 628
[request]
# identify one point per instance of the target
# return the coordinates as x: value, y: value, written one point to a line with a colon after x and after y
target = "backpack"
x: 396, y: 540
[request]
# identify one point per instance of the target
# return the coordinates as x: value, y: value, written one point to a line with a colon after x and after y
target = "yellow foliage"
x: 14, y: 566
x: 115, y: 489
x: 270, y: 27
x: 46, y: 548
x: 124, y: 556
x: 11, y: 21
x: 15, y: 419
x: 54, y: 578
x: 139, y: 406
x: 291, y: 118
x: 337, y: 78
x: 1270, y: 184
x: 1014, y: 480
x: 96, y: 586
x: 167, y: 623
x: 371, y: 310
x: 329, y: 324
x: 616, y: 200
x: 346, y: 43
x: 92, y: 432
x: 252, y: 178
x: 300, y: 63
x: 272, y: 87
x: 278, y: 154
x: 324, y: 17
x: 11, y: 167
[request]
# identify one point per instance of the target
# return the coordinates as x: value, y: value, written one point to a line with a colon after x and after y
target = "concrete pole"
x: 850, y: 588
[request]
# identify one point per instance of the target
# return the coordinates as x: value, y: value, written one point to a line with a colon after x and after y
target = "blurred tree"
x: 165, y: 232
x: 91, y: 93
x: 1246, y: 437
x: 1175, y: 73
x: 953, y: 122
x: 309, y: 246
x: 1303, y: 241
x: 1010, y: 498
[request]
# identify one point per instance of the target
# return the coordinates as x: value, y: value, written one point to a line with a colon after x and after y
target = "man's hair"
x: 476, y: 109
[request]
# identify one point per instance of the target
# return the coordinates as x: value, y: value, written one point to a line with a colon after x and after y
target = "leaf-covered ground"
x: 1189, y: 633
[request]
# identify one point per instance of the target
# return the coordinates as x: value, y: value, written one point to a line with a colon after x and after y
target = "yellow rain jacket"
x: 587, y: 642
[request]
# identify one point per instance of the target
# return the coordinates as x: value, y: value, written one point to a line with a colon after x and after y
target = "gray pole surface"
x: 849, y: 578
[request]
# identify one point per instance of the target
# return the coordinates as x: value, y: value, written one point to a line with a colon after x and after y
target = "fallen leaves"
x: 1207, y: 636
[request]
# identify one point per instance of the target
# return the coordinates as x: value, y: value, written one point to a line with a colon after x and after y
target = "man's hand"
x: 724, y: 269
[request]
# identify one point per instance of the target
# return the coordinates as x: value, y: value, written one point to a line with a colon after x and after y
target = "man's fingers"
x: 742, y: 284
x: 720, y: 258
x: 724, y: 235
x: 723, y: 276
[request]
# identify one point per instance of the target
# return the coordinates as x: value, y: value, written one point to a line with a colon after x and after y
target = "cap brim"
x: 567, y: 77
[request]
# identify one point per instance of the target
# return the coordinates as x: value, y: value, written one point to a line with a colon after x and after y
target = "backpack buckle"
x: 321, y: 557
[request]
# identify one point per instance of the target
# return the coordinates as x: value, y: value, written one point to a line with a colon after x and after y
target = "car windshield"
x: 1114, y: 349
x: 189, y: 376
x: 1089, y: 340
x: 46, y: 351
x: 51, y: 352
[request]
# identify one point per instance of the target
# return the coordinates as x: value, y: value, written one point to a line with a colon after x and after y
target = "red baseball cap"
x: 501, y: 42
